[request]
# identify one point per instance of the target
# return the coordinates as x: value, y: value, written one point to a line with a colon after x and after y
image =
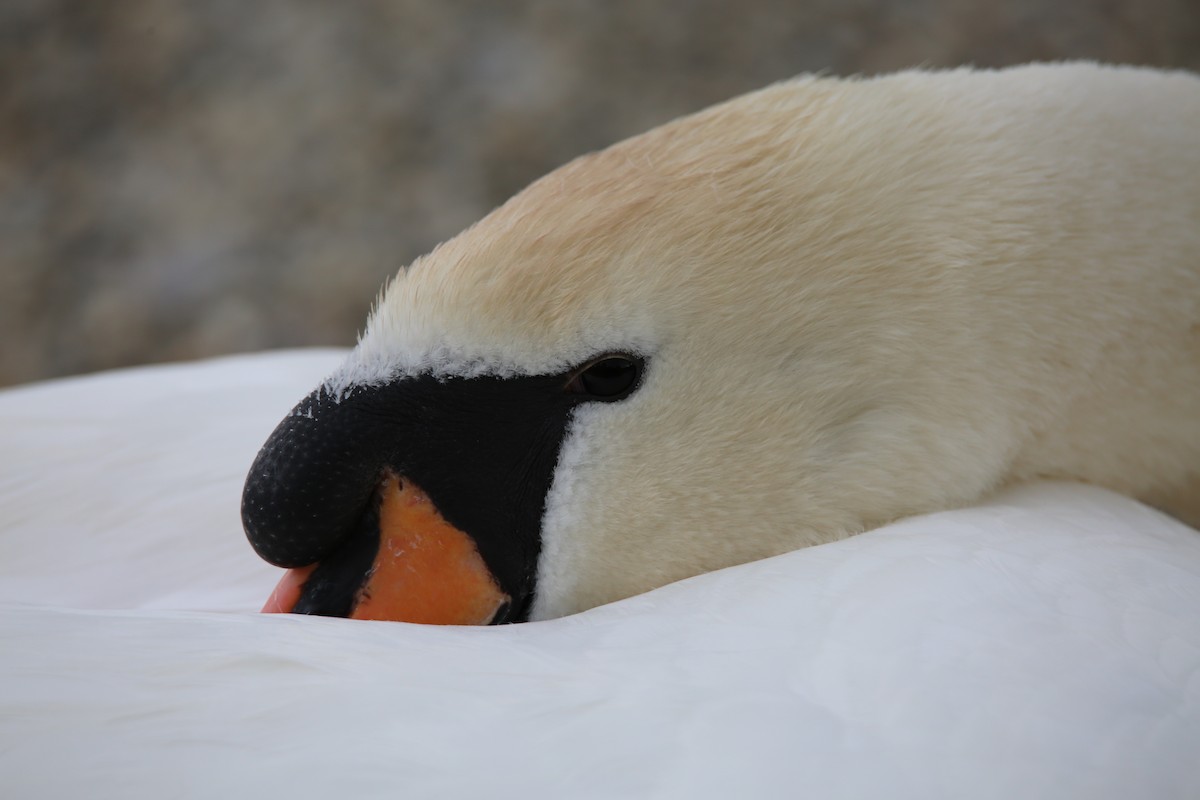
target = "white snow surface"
x: 1045, y: 644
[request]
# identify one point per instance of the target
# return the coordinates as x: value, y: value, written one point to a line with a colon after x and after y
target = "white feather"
x: 1042, y: 645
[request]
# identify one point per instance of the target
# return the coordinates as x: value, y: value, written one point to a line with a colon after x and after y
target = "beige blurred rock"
x: 179, y: 179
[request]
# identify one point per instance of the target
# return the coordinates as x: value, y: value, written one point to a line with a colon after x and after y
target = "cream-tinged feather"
x: 860, y: 300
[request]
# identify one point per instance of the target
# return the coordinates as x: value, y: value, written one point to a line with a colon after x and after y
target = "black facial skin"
x: 483, y: 449
x: 332, y: 589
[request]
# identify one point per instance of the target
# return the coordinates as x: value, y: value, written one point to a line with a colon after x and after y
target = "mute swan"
x: 673, y: 356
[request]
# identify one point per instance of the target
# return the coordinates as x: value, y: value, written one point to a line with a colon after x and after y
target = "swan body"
x: 1042, y: 644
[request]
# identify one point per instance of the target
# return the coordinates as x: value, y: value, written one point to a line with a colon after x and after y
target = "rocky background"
x: 180, y: 179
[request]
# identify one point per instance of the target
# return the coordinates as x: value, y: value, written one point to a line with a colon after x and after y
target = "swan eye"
x: 609, y: 378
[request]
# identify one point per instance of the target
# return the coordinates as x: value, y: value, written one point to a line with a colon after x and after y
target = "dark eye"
x: 609, y: 378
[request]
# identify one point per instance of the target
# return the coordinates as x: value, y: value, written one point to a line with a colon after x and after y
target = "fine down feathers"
x: 778, y: 322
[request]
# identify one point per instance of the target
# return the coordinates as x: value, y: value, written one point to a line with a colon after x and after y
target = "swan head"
x: 718, y: 341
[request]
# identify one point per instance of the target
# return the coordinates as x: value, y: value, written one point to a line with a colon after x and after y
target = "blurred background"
x: 181, y: 179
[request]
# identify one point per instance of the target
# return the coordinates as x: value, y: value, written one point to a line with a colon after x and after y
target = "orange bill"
x: 425, y: 570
